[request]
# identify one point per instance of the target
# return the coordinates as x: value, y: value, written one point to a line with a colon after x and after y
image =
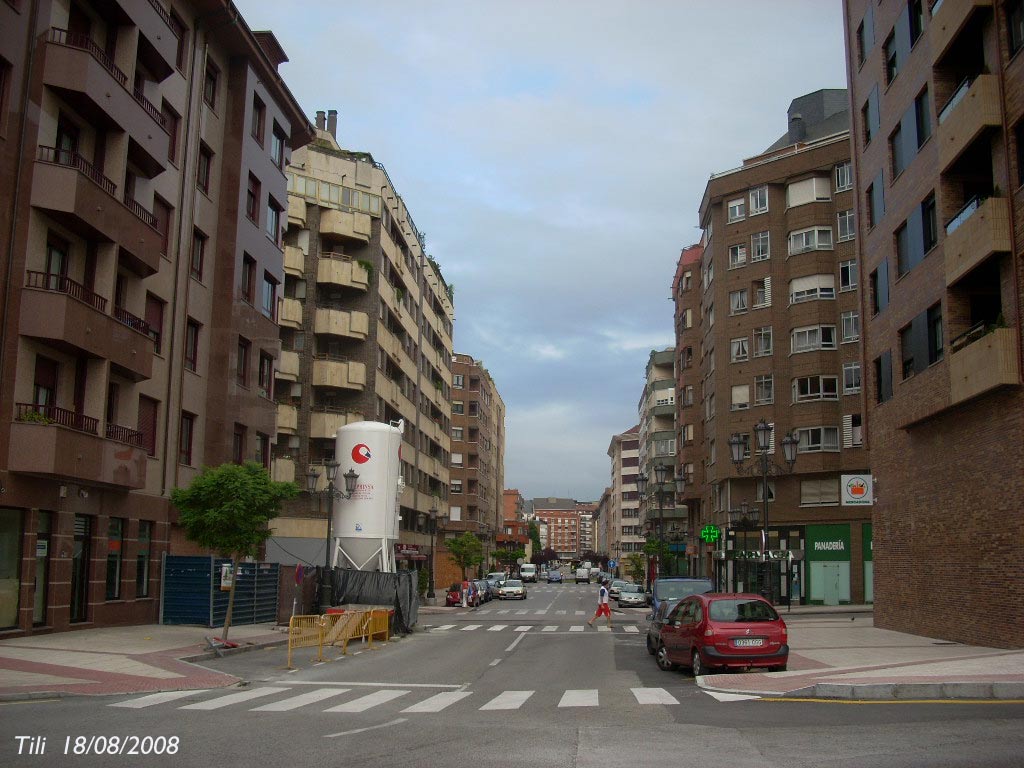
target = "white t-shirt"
x: 602, y: 596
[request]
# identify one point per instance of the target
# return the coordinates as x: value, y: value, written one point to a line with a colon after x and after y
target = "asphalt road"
x: 510, y: 684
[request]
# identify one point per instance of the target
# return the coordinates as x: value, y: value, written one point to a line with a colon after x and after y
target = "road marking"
x: 504, y: 611
x: 581, y: 613
x: 497, y: 628
x: 156, y: 698
x: 541, y: 613
x: 301, y: 700
x: 470, y: 627
x: 438, y: 701
x: 524, y: 628
x: 653, y: 696
x: 632, y: 628
x: 578, y: 628
x: 442, y: 627
x: 515, y: 643
x: 604, y: 628
x: 378, y: 685
x: 521, y: 613
x: 560, y: 612
x: 586, y: 697
x: 233, y: 698
x: 495, y: 663
x: 894, y: 701
x: 508, y: 700
x: 368, y: 728
x: 550, y: 628
x: 730, y: 696
x: 364, y: 703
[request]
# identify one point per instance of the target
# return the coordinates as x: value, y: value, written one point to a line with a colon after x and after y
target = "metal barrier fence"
x: 337, y: 629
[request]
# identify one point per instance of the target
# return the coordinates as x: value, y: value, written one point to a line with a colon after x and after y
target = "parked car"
x: 613, y: 590
x: 454, y: 594
x: 484, y: 589
x: 493, y: 584
x: 723, y: 630
x: 554, y: 577
x: 677, y: 588
x: 631, y: 596
x: 657, y: 621
x: 582, y: 575
x: 511, y: 590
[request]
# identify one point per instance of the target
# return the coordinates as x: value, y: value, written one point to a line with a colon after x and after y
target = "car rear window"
x: 513, y: 583
x: 676, y: 590
x: 630, y: 588
x: 741, y: 610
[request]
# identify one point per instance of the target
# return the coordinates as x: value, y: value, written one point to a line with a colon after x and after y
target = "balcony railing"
x: 331, y: 356
x: 74, y: 160
x: 163, y: 14
x: 86, y: 43
x: 133, y: 322
x: 124, y: 435
x: 51, y: 414
x: 148, y: 105
x: 964, y: 213
x: 969, y: 336
x: 956, y: 98
x: 135, y: 207
x: 62, y: 284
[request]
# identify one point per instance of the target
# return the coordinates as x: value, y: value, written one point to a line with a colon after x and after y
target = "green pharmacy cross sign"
x: 709, y: 533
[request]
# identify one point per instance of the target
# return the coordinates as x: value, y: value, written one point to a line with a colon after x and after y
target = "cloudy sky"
x: 555, y: 153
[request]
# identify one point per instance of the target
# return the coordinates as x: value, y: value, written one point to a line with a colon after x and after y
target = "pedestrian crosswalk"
x: 629, y: 629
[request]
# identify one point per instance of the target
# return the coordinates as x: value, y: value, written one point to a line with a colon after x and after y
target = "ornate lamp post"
x: 435, y: 521
x: 312, y: 476
x: 764, y: 467
x: 660, y: 476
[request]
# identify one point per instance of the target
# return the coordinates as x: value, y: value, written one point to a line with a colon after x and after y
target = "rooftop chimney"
x: 320, y: 118
x: 797, y: 130
x: 332, y: 122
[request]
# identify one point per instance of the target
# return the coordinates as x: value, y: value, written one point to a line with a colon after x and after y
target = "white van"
x: 528, y: 572
x: 582, y: 575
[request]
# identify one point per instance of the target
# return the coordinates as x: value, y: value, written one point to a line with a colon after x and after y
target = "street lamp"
x: 312, y: 476
x: 660, y: 476
x: 435, y: 520
x: 765, y: 468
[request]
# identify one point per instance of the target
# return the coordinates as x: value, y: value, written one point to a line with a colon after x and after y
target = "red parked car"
x: 454, y: 594
x: 723, y: 630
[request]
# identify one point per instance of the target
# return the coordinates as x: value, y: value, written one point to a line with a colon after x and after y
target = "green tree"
x: 226, y: 509
x: 534, y: 532
x: 635, y: 567
x: 509, y: 556
x: 466, y: 550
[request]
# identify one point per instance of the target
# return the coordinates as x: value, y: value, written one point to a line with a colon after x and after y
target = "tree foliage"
x: 508, y: 556
x: 542, y: 556
x: 534, y: 532
x: 635, y: 567
x: 466, y: 550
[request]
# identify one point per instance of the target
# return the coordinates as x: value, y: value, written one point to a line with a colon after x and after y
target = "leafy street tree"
x: 466, y: 551
x: 534, y: 532
x: 509, y: 556
x: 635, y: 567
x: 542, y: 556
x: 226, y: 509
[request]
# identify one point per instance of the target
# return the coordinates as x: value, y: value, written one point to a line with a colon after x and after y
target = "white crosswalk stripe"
x: 364, y: 703
x: 496, y: 627
x: 156, y: 698
x: 504, y: 611
x: 579, y: 628
x: 286, y: 705
x: 653, y: 696
x: 581, y: 613
x: 550, y: 628
x: 234, y: 698
x: 438, y: 702
x: 632, y: 628
x: 508, y: 700
x: 443, y: 627
x: 581, y: 698
x: 471, y: 627
x: 524, y: 628
x: 521, y: 613
x: 561, y: 613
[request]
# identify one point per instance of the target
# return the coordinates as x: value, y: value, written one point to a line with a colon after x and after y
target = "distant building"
x: 623, y: 526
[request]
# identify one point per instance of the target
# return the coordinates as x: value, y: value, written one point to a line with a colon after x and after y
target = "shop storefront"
x: 828, y: 564
x: 11, y: 521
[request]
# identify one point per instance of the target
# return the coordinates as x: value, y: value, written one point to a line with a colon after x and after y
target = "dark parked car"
x: 676, y: 588
x: 554, y: 577
x: 723, y: 630
x: 484, y: 589
x: 657, y: 620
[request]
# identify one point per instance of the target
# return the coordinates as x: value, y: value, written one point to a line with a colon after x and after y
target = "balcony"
x: 287, y: 418
x: 158, y: 43
x: 86, y: 201
x: 979, y: 230
x: 949, y: 17
x: 87, y: 78
x: 980, y: 361
x: 296, y: 211
x: 344, y: 224
x: 325, y: 421
x: 336, y: 322
x: 339, y: 269
x: 52, y: 442
x: 972, y: 110
x: 291, y: 314
x: 65, y: 315
x: 283, y: 470
x: 338, y: 372
x: 294, y: 261
x: 288, y: 366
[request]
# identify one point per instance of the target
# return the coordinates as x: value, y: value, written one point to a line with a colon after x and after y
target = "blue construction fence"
x: 191, y: 592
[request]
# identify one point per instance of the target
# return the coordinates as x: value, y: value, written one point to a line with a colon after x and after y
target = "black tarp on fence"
x: 352, y: 587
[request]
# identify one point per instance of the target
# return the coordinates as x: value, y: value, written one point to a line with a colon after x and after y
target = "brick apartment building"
x: 621, y: 521
x: 938, y: 149
x: 142, y: 146
x: 778, y: 306
x: 563, y: 525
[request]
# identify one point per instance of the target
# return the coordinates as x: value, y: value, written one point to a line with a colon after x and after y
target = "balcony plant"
x: 35, y: 417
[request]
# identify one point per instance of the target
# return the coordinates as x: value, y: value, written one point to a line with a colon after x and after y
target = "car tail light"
x: 710, y: 631
x: 785, y: 634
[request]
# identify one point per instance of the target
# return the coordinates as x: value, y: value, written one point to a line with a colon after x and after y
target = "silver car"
x: 631, y: 596
x: 512, y: 589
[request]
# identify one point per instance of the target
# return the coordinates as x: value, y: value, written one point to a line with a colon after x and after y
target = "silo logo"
x: 361, y: 453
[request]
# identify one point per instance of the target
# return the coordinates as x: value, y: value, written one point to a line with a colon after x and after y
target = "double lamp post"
x: 436, y: 520
x: 660, y: 477
x: 312, y: 478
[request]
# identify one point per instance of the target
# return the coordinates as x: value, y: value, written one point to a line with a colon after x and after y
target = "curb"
x: 207, y: 655
x: 991, y: 691
x: 7, y: 698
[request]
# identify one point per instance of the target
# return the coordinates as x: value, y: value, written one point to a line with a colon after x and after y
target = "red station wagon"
x: 723, y: 630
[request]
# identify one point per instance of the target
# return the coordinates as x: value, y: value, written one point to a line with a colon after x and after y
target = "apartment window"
x: 811, y: 239
x: 764, y: 389
x: 813, y: 190
x: 457, y: 433
x: 915, y: 9
x: 737, y: 209
x: 458, y: 381
x: 853, y: 430
x: 709, y: 274
x: 180, y: 32
x: 242, y: 362
x: 162, y: 213
x: 892, y: 58
x: 897, y: 155
x: 456, y: 485
x: 860, y: 44
x: 44, y: 388
x: 711, y: 315
x: 935, y: 339
x: 238, y: 444
x: 210, y: 81
x: 870, y: 116
x: 762, y: 292
x: 847, y: 276
x: 759, y: 492
x: 142, y: 558
x: 819, y: 492
x: 266, y: 380
x: 456, y: 459
x: 252, y: 200
x: 191, y: 344
x: 851, y: 378
x: 817, y: 439
x: 759, y: 200
x: 763, y: 341
x: 851, y: 326
x: 263, y: 450
x: 740, y: 397
x: 172, y: 124
x: 709, y: 406
x: 879, y: 279
x: 248, y: 278
x: 883, y: 377
x: 1015, y: 24
x: 274, y: 229
x: 813, y: 337
x: 115, y: 550
x: 738, y: 350
x: 473, y: 408
x: 812, y: 288
x: 185, y: 434
x: 846, y: 225
x: 458, y: 407
x: 737, y: 256
x: 760, y: 248
x: 198, y: 255
x: 147, y: 423
x: 259, y: 117
x: 907, y: 351
x: 269, y: 295
x: 277, y: 146
x: 155, y: 320
x: 923, y: 117
x: 809, y: 388
x: 738, y: 302
x: 204, y: 168
x: 929, y: 224
x: 844, y: 177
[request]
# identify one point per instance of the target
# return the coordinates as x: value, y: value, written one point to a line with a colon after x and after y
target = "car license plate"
x: 748, y: 642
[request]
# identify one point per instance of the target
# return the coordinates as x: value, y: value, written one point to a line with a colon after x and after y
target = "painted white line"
x: 505, y: 611
x: 497, y: 628
x: 438, y: 701
x: 632, y: 629
x: 604, y: 628
x: 581, y: 613
x: 495, y: 663
x: 156, y: 698
x: 550, y: 628
x: 364, y: 703
x: 562, y: 613
x: 508, y: 700
x: 653, y: 696
x: 731, y: 696
x: 541, y: 612
x: 586, y: 697
x: 301, y: 700
x: 577, y: 629
x: 378, y: 685
x: 442, y: 627
x: 521, y: 613
x: 470, y: 627
x: 233, y: 698
x: 515, y: 643
x: 368, y: 728
x: 524, y: 628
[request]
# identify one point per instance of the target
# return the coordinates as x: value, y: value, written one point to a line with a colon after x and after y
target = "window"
x: 812, y: 239
x: 687, y: 434
x: 813, y: 337
x: 711, y: 315
x: 915, y: 9
x: 737, y: 256
x: 764, y: 389
x: 892, y: 58
x: 817, y: 439
x: 851, y: 378
x: 763, y: 341
x: 934, y: 319
x: 880, y: 287
x: 147, y: 423
x: 185, y: 435
x: 458, y: 407
x: 846, y: 226
x: 458, y: 381
x: 266, y: 373
x: 248, y: 278
x: 269, y: 304
x: 883, y: 377
x: 738, y: 351
x: 851, y: 326
x: 242, y: 362
x: 259, y: 116
x: 162, y: 212
x: 191, y: 344
x: 457, y: 433
x: 709, y: 406
x: 809, y: 388
x: 907, y: 351
x: 740, y: 397
x: 737, y: 209
x: 263, y: 450
x: 759, y: 492
x: 278, y: 140
x: 819, y: 492
x: 870, y: 116
x: 916, y: 236
x: 738, y: 302
x: 853, y: 430
x: 172, y: 124
x: 813, y: 190
x: 812, y: 288
x: 847, y: 276
x: 759, y: 247
x: 929, y: 224
x: 758, y: 200
x: 252, y: 200
x: 1015, y: 24
x: 456, y: 485
x: 238, y: 444
x: 44, y: 388
x: 181, y: 32
x: 115, y: 548
x: 274, y: 229
x: 142, y: 558
x: 210, y: 85
x: 198, y: 255
x: 860, y: 44
x: 203, y: 171
x: 844, y: 177
x: 709, y: 273
x: 923, y: 117
x: 897, y: 155
x: 155, y: 320
x: 762, y: 290
x: 456, y: 459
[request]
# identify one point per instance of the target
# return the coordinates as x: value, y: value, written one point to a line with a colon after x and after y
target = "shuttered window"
x: 147, y: 423
x: 155, y: 320
x: 45, y: 384
x: 853, y: 431
x: 819, y: 492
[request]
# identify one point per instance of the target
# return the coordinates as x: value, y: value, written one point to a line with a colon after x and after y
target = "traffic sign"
x: 710, y: 533
x: 612, y: 563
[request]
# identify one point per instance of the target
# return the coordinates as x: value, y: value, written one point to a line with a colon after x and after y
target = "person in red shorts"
x: 603, y: 609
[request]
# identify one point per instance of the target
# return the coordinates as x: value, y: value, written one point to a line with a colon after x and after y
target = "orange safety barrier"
x: 306, y: 632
